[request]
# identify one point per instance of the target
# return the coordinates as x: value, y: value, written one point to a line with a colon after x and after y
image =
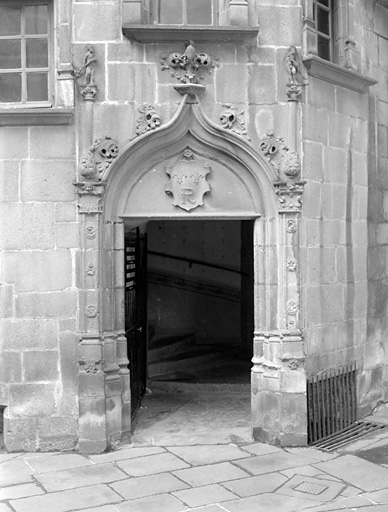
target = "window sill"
x: 338, y: 75
x: 35, y: 117
x: 199, y: 34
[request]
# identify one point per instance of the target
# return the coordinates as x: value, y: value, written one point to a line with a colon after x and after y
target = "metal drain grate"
x: 348, y: 435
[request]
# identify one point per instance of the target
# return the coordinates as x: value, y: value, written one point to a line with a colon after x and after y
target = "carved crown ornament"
x: 232, y: 118
x: 188, y: 184
x: 189, y: 67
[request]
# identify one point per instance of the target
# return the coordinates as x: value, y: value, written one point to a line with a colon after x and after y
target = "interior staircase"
x: 176, y: 358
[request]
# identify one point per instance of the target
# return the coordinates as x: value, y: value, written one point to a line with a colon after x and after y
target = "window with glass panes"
x: 323, y: 14
x: 185, y: 12
x: 24, y: 52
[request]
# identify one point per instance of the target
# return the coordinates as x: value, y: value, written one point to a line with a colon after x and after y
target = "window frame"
x: 24, y: 104
x: 154, y: 15
x: 330, y: 37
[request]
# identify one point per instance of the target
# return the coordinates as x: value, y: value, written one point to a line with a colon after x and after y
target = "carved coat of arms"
x: 187, y: 183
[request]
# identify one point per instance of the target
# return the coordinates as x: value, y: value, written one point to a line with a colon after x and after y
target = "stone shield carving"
x: 188, y: 184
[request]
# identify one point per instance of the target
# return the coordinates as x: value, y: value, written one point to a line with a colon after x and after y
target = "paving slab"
x: 256, y: 484
x: 270, y: 463
x: 143, y: 486
x: 151, y: 464
x: 5, y: 508
x: 74, y: 499
x: 210, y: 474
x: 303, y: 470
x: 267, y: 503
x: 206, y: 495
x: 312, y: 454
x: 308, y: 488
x: 126, y: 453
x: 105, y: 508
x: 210, y: 508
x: 377, y: 496
x: 358, y: 472
x: 49, y: 463
x: 14, y: 472
x: 80, y: 477
x: 20, y: 491
x: 346, y: 504
x: 201, y: 455
x: 158, y: 503
x: 261, y: 449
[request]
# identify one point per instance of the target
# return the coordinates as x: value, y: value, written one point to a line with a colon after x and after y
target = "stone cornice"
x: 199, y: 34
x: 36, y: 116
x: 338, y: 75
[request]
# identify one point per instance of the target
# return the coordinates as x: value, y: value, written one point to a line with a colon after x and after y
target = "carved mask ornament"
x: 188, y: 183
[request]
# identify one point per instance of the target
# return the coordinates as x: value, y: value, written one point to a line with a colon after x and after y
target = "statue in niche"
x: 88, y: 64
x: 294, y: 68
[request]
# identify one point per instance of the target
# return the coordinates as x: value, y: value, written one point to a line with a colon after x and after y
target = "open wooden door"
x: 136, y: 314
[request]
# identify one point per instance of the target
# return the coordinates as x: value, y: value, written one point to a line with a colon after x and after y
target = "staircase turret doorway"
x: 197, y: 289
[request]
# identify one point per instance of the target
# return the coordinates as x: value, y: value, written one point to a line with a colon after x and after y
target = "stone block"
x: 315, y: 126
x: 91, y: 384
x: 68, y: 351
x: 46, y: 305
x: 11, y: 366
x: 351, y: 103
x: 40, y: 366
x: 332, y: 303
x: 65, y: 38
x: 231, y: 83
x: 313, y: 306
x: 335, y: 164
x: 27, y: 226
x: 59, y: 433
x: 6, y: 301
x: 312, y: 200
x: 340, y: 130
x: 132, y: 82
x: 65, y: 212
x: 119, y: 121
x: 258, y: 79
x: 280, y: 25
x: 61, y: 142
x: 31, y: 334
x: 47, y: 181
x: 294, y: 412
x: 92, y: 421
x: 382, y: 233
x: 132, y: 12
x: 383, y: 52
x: 98, y: 21
x: 312, y: 161
x: 320, y: 94
x: 293, y: 381
x: 125, y: 51
x: 9, y: 180
x: 33, y: 400
x: 14, y: 142
x: 38, y: 271
x: 66, y: 235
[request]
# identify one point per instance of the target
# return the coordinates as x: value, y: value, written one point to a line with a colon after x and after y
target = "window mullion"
x: 184, y: 13
x: 23, y: 55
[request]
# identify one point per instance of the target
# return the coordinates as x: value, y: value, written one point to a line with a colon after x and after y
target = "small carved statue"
x: 88, y: 65
x: 292, y: 64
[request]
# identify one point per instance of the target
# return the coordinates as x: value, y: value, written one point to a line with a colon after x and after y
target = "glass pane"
x: 324, y: 48
x: 37, y: 87
x: 170, y: 12
x: 36, y: 53
x: 10, y: 87
x: 36, y: 19
x: 199, y: 12
x: 10, y: 54
x: 10, y: 20
x: 323, y: 21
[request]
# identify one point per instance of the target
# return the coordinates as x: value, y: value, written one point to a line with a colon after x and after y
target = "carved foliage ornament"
x: 187, y: 183
x: 232, y: 119
x: 99, y: 158
x: 189, y: 66
x: 285, y: 161
x: 148, y: 119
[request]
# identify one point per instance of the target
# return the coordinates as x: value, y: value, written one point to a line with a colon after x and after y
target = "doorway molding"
x: 132, y: 190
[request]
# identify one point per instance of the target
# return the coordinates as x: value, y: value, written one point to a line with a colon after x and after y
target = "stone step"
x: 192, y: 357
x: 169, y: 345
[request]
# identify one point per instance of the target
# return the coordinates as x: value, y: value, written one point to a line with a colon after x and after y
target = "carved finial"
x: 98, y: 159
x: 189, y: 66
x: 148, y: 119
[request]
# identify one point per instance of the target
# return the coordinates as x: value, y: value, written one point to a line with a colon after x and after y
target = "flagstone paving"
x: 251, y: 477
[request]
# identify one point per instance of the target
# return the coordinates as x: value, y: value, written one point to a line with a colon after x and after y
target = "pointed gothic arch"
x: 243, y: 185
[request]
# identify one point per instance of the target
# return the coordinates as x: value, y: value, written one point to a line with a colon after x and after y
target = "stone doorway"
x: 200, y: 318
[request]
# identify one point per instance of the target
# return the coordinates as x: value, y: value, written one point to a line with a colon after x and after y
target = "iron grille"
x: 331, y: 402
